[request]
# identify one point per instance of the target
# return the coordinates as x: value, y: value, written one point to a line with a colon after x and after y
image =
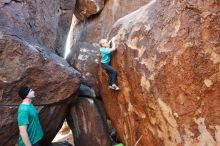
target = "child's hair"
x: 101, y: 42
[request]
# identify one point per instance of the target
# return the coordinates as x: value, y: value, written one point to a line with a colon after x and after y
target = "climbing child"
x: 106, y: 50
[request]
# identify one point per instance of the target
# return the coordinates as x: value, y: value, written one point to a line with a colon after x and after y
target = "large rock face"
x: 87, y: 33
x: 28, y: 34
x: 168, y: 70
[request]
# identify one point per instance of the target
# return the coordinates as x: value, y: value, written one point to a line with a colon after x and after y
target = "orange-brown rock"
x: 168, y: 70
x: 86, y: 8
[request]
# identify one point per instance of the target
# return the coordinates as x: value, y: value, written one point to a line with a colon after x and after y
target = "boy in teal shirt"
x: 105, y: 61
x: 29, y: 125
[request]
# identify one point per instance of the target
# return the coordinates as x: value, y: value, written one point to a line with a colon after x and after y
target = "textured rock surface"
x: 28, y: 34
x: 86, y: 8
x: 88, y: 124
x: 7, y: 125
x: 168, y: 66
x: 87, y: 33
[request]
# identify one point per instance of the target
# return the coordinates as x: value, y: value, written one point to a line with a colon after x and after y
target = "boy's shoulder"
x: 23, y: 108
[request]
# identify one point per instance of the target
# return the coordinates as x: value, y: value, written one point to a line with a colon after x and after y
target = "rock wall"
x: 168, y: 71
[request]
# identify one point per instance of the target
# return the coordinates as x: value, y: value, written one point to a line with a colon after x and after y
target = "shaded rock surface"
x: 85, y: 60
x: 168, y: 71
x: 86, y: 91
x: 28, y: 36
x: 88, y: 124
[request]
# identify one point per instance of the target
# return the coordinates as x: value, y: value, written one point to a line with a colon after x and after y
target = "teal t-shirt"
x: 28, y: 115
x: 106, y: 55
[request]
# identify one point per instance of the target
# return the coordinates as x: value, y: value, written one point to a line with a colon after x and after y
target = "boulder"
x: 25, y: 64
x: 168, y: 70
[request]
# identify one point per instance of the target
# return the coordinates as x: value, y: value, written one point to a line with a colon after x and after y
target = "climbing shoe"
x: 114, y: 87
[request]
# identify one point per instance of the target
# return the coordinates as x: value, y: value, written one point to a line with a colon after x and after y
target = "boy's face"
x: 31, y: 94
